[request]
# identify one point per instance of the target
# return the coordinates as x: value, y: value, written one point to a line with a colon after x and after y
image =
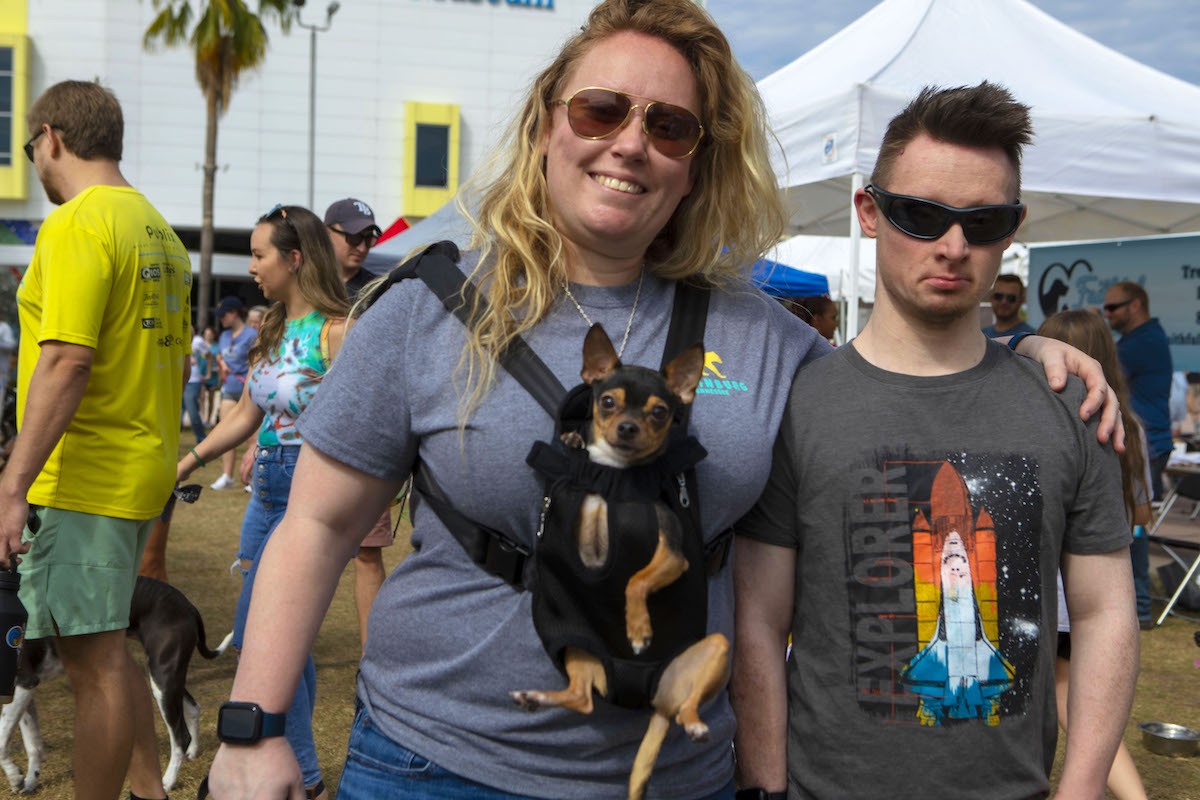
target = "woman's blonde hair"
x: 1086, y: 330
x: 318, y: 276
x: 731, y: 216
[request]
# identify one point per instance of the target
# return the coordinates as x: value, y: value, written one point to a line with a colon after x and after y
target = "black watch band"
x: 247, y: 723
x: 759, y: 793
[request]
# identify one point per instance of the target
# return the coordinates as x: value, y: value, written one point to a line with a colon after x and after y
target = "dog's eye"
x: 607, y: 402
x: 660, y: 413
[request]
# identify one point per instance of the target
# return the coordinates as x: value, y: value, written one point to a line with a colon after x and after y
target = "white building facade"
x: 387, y: 72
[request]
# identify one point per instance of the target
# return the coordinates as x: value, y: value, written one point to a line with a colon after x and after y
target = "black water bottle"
x: 12, y: 623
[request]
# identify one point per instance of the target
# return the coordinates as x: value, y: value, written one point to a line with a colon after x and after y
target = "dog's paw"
x: 639, y: 631
x: 696, y: 731
x: 528, y: 700
x: 573, y: 439
x: 30, y: 784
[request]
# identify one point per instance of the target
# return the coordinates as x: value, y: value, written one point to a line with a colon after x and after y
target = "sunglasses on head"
x: 1004, y: 297
x: 279, y: 209
x: 925, y: 219
x: 355, y: 239
x: 596, y: 113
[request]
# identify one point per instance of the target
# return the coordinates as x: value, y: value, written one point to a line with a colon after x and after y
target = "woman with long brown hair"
x: 1087, y: 330
x: 293, y: 264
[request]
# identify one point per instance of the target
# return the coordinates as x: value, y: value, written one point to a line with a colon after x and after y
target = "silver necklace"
x: 628, y: 325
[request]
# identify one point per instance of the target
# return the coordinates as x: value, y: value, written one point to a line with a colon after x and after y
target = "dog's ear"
x: 684, y: 371
x: 599, y: 357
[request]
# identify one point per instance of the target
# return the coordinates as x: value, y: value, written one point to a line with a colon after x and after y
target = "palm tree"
x: 228, y: 38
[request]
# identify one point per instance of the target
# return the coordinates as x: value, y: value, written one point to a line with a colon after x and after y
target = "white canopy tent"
x: 1117, y: 144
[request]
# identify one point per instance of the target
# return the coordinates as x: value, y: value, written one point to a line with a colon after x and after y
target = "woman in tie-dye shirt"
x: 293, y: 264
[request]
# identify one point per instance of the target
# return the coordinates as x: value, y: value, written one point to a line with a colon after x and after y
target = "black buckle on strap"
x: 506, y: 560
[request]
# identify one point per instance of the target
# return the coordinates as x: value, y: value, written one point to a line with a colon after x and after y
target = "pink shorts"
x: 381, y: 534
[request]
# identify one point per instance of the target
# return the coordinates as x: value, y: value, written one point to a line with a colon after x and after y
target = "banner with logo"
x: 1168, y: 267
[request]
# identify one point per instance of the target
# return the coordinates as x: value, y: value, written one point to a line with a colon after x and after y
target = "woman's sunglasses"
x: 925, y: 219
x: 355, y: 239
x: 279, y: 209
x: 596, y: 113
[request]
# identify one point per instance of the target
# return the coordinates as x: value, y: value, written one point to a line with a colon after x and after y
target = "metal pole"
x: 312, y: 112
x: 313, y: 30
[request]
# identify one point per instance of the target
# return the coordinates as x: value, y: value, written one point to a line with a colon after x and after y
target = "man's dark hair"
x: 85, y: 114
x: 986, y: 115
x: 1008, y: 277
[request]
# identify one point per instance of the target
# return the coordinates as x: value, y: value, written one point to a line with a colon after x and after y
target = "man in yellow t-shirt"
x: 104, y: 310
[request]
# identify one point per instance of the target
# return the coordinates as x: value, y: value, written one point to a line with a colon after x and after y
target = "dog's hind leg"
x: 585, y: 674
x: 191, y: 717
x: 170, y: 698
x: 10, y: 718
x: 691, y: 679
x: 35, y: 749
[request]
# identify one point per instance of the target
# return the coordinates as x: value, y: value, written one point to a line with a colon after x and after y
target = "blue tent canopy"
x: 780, y: 280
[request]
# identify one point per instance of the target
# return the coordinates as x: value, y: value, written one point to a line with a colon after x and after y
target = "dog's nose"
x: 627, y: 430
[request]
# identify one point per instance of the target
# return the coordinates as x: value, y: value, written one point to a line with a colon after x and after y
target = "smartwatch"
x: 759, y: 793
x: 247, y: 723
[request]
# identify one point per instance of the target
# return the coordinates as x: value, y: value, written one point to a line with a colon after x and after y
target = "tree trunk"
x: 204, y: 292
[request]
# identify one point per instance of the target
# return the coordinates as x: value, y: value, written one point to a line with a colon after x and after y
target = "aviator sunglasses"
x: 597, y: 113
x: 925, y: 219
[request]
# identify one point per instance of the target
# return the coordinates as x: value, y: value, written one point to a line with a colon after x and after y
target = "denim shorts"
x: 379, y: 769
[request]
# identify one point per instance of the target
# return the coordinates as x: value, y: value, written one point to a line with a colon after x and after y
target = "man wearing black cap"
x: 353, y: 232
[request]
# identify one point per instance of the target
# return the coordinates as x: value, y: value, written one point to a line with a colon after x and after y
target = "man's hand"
x: 266, y: 770
x: 13, y: 517
x: 1060, y: 359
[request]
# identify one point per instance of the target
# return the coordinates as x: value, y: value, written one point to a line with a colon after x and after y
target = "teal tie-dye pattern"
x: 283, y: 384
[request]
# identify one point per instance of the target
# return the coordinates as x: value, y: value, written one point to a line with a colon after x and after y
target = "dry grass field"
x: 202, y: 547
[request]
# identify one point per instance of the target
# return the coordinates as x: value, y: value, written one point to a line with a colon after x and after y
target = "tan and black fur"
x: 632, y: 411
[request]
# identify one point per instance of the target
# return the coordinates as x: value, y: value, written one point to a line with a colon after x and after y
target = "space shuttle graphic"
x: 958, y: 673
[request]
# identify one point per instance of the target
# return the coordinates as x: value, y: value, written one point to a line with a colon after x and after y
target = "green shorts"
x: 79, y: 573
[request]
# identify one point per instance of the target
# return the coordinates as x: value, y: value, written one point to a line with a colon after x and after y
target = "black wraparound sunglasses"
x: 927, y: 219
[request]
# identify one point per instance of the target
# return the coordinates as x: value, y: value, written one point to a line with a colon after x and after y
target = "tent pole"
x: 850, y: 281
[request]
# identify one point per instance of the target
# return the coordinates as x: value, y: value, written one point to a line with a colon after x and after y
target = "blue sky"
x: 1164, y: 34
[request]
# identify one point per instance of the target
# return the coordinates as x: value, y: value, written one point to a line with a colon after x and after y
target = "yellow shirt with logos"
x: 110, y: 274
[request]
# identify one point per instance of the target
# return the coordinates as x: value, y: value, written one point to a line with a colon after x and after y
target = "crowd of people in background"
x: 640, y: 133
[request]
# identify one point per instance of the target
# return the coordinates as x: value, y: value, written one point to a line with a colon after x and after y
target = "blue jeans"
x: 270, y: 484
x: 1139, y: 555
x: 191, y: 404
x: 379, y: 769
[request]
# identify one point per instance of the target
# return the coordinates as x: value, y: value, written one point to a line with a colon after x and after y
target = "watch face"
x: 239, y: 723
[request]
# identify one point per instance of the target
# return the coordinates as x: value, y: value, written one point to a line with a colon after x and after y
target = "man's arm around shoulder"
x: 55, y: 391
x: 1104, y: 663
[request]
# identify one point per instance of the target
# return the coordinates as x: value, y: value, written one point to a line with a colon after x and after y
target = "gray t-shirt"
x: 929, y: 515
x: 446, y: 641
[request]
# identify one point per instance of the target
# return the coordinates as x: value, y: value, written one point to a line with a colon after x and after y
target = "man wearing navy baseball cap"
x: 352, y: 223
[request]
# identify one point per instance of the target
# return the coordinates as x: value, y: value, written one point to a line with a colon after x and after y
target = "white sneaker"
x: 223, y: 482
x: 249, y: 490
